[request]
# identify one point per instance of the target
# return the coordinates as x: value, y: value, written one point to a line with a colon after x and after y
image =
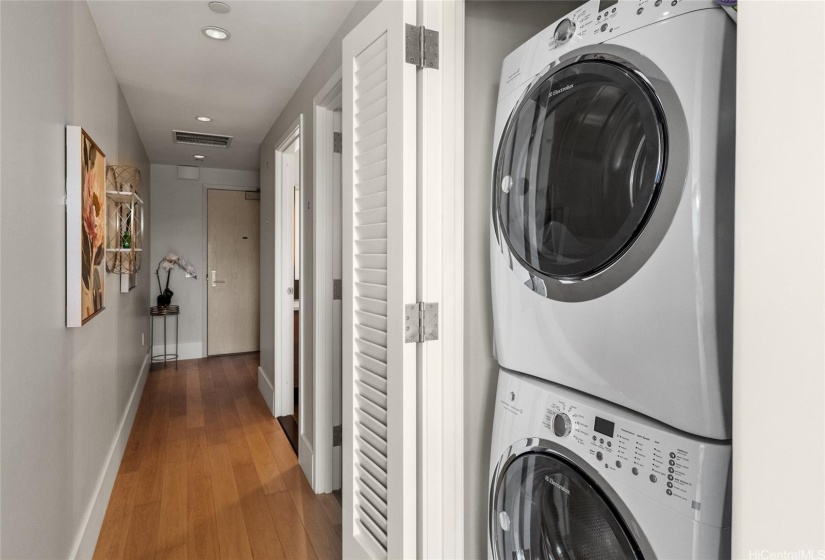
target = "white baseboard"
x: 266, y: 389
x: 86, y: 538
x: 186, y: 351
x: 305, y: 459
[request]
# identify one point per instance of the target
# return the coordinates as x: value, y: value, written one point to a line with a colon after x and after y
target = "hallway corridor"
x: 208, y: 473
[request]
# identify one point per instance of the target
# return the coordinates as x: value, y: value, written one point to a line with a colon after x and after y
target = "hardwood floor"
x: 208, y: 473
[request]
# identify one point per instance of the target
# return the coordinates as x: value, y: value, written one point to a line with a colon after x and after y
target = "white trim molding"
x: 324, y: 104
x: 441, y: 279
x: 86, y: 538
x: 265, y: 388
x: 283, y: 401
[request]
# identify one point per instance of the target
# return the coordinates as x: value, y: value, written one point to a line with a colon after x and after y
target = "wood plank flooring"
x: 208, y: 473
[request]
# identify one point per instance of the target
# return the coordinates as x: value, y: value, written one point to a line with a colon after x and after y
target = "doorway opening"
x: 291, y: 404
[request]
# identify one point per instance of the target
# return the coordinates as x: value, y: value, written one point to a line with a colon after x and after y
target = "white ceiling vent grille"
x: 200, y: 139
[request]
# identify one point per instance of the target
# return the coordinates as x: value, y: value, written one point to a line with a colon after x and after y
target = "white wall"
x: 493, y: 30
x: 64, y: 391
x: 779, y: 309
x: 301, y: 103
x: 178, y: 226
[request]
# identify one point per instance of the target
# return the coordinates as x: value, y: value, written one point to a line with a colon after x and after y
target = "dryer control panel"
x: 594, y: 22
x: 687, y: 474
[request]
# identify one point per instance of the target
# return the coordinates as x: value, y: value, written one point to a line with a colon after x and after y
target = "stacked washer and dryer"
x: 612, y: 276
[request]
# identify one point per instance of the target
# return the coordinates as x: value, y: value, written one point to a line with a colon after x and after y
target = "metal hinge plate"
x: 422, y: 46
x: 336, y: 436
x: 421, y: 322
x: 337, y: 290
x: 337, y: 143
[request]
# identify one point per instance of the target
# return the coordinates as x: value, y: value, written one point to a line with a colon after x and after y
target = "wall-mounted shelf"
x: 124, y: 239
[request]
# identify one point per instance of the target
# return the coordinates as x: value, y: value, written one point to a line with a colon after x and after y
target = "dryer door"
x: 544, y: 507
x: 580, y: 170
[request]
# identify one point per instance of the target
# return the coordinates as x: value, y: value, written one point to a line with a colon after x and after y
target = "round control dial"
x: 564, y: 31
x: 562, y: 426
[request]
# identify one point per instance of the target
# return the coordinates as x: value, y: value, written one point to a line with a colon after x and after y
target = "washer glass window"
x: 580, y: 168
x: 546, y: 508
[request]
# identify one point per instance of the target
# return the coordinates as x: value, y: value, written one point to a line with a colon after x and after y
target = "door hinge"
x: 337, y: 143
x: 422, y: 46
x: 421, y: 322
x: 337, y: 289
x: 336, y: 436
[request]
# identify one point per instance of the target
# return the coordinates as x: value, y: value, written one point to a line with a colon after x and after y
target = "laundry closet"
x: 602, y: 151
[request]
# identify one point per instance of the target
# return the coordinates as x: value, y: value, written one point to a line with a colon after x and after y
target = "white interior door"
x: 233, y: 241
x: 379, y: 278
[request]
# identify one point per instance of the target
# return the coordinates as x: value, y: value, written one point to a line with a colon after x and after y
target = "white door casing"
x: 379, y: 277
x: 327, y: 267
x: 285, y: 174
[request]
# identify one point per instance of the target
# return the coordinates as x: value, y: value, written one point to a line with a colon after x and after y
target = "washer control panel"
x: 687, y: 474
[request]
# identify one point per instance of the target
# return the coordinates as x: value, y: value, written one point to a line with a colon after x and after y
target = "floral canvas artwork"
x: 85, y: 226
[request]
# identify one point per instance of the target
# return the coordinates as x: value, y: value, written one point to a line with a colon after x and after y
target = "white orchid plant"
x: 169, y: 262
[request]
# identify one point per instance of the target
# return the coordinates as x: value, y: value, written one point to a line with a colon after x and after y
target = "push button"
x: 634, y: 470
x: 653, y: 478
x: 599, y: 455
x: 618, y: 464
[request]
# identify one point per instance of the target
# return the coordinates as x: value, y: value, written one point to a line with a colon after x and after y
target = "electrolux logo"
x: 560, y: 90
x: 556, y: 484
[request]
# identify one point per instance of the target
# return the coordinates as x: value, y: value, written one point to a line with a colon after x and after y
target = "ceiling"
x: 170, y: 72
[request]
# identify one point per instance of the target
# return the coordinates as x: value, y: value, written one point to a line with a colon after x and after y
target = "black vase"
x: 165, y: 298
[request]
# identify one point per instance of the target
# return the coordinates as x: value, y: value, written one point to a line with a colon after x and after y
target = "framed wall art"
x: 85, y: 227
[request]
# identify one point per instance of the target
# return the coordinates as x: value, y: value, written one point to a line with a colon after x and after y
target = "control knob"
x: 564, y: 31
x: 562, y: 426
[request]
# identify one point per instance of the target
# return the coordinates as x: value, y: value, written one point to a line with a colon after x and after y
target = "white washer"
x: 612, y: 237
x: 576, y: 478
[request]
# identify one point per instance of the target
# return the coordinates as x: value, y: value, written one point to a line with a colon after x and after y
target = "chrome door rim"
x: 552, y: 449
x: 660, y: 216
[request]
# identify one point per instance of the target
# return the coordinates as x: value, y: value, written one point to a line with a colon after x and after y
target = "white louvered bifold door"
x: 379, y: 277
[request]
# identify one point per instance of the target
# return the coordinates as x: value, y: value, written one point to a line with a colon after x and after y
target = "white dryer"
x: 612, y: 208
x: 576, y: 478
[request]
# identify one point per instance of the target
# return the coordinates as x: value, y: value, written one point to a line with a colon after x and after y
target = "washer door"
x: 546, y: 508
x: 580, y: 170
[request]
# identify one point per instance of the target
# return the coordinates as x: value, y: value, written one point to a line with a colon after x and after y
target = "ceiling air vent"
x: 200, y: 139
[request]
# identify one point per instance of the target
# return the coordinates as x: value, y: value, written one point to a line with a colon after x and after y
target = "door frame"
x: 324, y: 105
x: 283, y: 400
x: 441, y: 279
x: 205, y: 188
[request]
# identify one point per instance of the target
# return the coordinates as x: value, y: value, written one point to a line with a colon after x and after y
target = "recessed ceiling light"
x: 204, y: 119
x: 200, y: 157
x: 219, y: 7
x: 215, y: 33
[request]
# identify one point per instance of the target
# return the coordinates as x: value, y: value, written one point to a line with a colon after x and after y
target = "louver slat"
x: 370, y: 191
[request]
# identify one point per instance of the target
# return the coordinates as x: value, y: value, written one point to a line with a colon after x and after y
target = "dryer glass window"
x: 579, y: 168
x: 545, y: 508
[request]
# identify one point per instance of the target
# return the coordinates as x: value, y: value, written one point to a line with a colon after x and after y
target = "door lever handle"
x: 216, y: 282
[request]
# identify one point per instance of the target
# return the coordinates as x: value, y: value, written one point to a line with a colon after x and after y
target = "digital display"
x: 605, y: 4
x: 604, y: 427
